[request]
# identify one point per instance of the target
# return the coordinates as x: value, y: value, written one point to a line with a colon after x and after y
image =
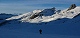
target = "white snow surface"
x: 63, y: 14
x: 64, y: 28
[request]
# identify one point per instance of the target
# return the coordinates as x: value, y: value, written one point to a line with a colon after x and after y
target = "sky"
x: 24, y: 6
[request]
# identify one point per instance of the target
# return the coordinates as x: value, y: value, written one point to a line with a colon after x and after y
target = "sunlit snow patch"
x: 63, y: 14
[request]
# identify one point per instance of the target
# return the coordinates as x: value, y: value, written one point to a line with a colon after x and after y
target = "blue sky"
x: 24, y: 6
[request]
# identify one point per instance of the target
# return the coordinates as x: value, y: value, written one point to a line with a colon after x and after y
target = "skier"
x: 40, y: 31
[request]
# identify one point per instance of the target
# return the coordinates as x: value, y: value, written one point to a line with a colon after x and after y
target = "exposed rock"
x: 72, y: 7
x: 45, y: 12
x: 34, y: 16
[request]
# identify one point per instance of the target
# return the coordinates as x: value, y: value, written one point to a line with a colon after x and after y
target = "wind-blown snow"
x: 63, y: 14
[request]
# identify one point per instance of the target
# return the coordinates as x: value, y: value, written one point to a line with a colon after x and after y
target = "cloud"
x: 23, y: 6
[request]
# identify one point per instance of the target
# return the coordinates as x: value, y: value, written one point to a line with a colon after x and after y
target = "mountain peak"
x: 72, y: 6
x: 46, y: 15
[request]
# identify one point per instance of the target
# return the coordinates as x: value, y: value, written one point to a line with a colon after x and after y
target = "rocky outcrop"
x: 45, y: 12
x: 34, y: 16
x: 72, y: 7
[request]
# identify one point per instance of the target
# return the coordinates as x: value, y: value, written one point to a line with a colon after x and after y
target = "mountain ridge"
x: 62, y: 24
x: 46, y: 16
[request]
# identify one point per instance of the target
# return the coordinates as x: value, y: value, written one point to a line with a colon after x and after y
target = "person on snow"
x: 40, y: 31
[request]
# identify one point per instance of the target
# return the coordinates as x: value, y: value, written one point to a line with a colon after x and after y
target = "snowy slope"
x: 62, y: 28
x: 48, y: 15
x: 65, y: 24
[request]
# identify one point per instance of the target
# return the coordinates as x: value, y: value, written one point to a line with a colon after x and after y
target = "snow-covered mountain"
x: 46, y: 15
x: 54, y: 24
